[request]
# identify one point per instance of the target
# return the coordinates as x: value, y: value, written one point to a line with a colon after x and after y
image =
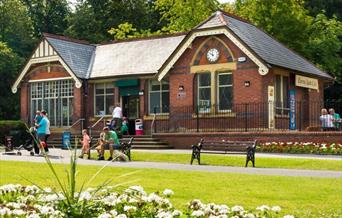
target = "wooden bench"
x: 125, y: 148
x: 224, y: 147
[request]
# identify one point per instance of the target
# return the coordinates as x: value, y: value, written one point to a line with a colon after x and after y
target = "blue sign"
x: 292, y: 105
x: 66, y: 139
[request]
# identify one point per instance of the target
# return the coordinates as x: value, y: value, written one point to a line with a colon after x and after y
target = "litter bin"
x: 66, y: 139
x: 139, y: 127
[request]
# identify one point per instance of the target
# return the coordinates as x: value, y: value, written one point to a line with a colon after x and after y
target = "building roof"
x: 76, y: 54
x: 133, y: 57
x: 266, y: 47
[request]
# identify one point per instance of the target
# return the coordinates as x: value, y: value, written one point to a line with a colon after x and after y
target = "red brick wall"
x: 24, y: 102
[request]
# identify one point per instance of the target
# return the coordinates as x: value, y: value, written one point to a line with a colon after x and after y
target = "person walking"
x: 85, y: 144
x: 326, y: 120
x: 43, y: 131
x: 117, y: 118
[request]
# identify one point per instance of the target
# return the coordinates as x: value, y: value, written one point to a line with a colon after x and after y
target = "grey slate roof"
x: 136, y: 57
x: 76, y: 55
x: 267, y: 48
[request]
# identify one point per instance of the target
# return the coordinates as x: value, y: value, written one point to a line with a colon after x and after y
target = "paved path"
x: 62, y: 156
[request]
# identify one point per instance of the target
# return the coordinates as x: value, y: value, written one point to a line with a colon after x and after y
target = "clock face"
x: 213, y: 55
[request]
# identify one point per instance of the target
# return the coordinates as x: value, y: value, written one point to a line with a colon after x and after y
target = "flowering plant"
x: 33, y: 202
x: 301, y: 147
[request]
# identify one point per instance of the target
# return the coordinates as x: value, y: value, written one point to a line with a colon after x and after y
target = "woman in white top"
x: 117, y: 118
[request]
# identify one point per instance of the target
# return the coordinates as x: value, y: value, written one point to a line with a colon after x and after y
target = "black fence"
x: 256, y: 116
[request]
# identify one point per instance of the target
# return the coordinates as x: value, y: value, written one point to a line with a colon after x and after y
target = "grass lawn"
x: 237, y: 160
x: 301, y: 196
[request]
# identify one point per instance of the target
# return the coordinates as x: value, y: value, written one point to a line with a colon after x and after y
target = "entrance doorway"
x: 130, y: 109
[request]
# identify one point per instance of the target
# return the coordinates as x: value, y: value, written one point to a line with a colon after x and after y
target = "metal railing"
x: 81, y: 120
x: 244, y: 117
x: 95, y: 124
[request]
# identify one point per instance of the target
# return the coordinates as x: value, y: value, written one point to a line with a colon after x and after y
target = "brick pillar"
x: 142, y: 98
x: 77, y: 110
x: 24, y: 102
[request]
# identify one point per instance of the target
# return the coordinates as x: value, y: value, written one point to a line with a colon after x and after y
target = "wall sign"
x: 292, y: 104
x: 271, y: 114
x: 306, y: 82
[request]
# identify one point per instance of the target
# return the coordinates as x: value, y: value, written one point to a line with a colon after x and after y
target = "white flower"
x: 15, y: 205
x: 33, y: 215
x: 168, y: 192
x: 197, y: 213
x: 114, y: 212
x: 18, y: 212
x: 163, y: 214
x: 129, y: 208
x: 249, y: 215
x: 49, y: 198
x: 263, y: 208
x: 237, y: 208
x: 276, y: 208
x: 48, y: 190
x: 4, y: 211
x: 136, y: 188
x: 288, y: 216
x: 85, y: 196
x: 121, y: 216
x: 105, y: 215
x: 176, y: 213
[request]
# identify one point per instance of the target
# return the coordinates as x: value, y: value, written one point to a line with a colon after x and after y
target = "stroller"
x: 28, y: 145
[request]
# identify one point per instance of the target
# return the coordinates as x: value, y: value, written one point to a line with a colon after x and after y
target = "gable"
x: 44, y: 53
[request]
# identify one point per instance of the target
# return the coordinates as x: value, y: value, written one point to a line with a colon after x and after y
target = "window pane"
x: 285, y: 91
x: 204, y: 96
x: 155, y: 85
x: 278, y: 91
x: 225, y: 98
x: 109, y: 104
x: 165, y: 86
x: 109, y: 88
x: 155, y: 102
x: 204, y: 79
x: 225, y: 79
x: 99, y: 110
x: 165, y: 102
x: 99, y: 89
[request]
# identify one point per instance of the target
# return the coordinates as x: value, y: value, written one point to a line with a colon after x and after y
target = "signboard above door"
x: 306, y: 82
x: 127, y: 82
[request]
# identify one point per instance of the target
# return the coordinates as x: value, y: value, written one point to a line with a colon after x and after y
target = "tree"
x: 48, y: 15
x: 324, y: 44
x: 287, y: 20
x: 9, y: 64
x: 330, y: 8
x: 16, y: 27
x: 183, y: 15
x: 93, y: 18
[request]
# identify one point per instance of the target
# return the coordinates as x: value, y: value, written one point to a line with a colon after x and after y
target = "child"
x: 85, y: 144
x: 124, y: 127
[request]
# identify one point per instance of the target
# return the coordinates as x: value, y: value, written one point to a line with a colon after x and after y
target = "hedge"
x: 14, y: 128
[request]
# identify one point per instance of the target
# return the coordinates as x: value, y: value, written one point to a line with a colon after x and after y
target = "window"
x: 158, y: 97
x: 204, y: 92
x: 56, y: 98
x: 281, y: 95
x: 224, y: 91
x: 104, y: 98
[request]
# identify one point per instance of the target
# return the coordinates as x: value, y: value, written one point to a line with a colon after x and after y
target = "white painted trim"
x: 78, y: 83
x: 263, y: 69
x: 50, y: 79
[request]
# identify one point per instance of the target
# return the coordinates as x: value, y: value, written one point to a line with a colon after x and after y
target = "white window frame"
x: 218, y: 86
x: 282, y: 108
x: 161, y: 91
x: 205, y: 110
x: 104, y: 95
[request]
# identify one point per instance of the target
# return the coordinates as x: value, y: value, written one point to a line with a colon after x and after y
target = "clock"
x: 213, y: 55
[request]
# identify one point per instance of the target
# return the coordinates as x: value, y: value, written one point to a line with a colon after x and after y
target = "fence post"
x: 197, y: 119
x: 155, y: 120
x: 246, y: 120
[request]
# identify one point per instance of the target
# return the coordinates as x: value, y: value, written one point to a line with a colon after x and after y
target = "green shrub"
x: 14, y: 128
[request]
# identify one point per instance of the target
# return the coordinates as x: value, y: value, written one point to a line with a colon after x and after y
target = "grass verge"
x: 303, y: 197
x: 238, y: 160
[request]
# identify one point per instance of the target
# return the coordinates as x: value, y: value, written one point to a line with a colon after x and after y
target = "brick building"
x: 225, y: 74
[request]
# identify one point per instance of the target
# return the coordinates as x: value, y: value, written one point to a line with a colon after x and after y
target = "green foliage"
x: 17, y: 129
x: 16, y: 27
x: 184, y: 15
x: 9, y: 64
x: 330, y: 7
x: 287, y: 21
x: 48, y: 15
x: 324, y: 44
x: 93, y: 19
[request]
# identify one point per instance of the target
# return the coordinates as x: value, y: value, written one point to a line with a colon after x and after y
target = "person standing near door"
x: 117, y: 117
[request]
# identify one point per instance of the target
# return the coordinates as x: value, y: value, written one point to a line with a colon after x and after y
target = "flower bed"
x: 300, y: 147
x: 33, y: 202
